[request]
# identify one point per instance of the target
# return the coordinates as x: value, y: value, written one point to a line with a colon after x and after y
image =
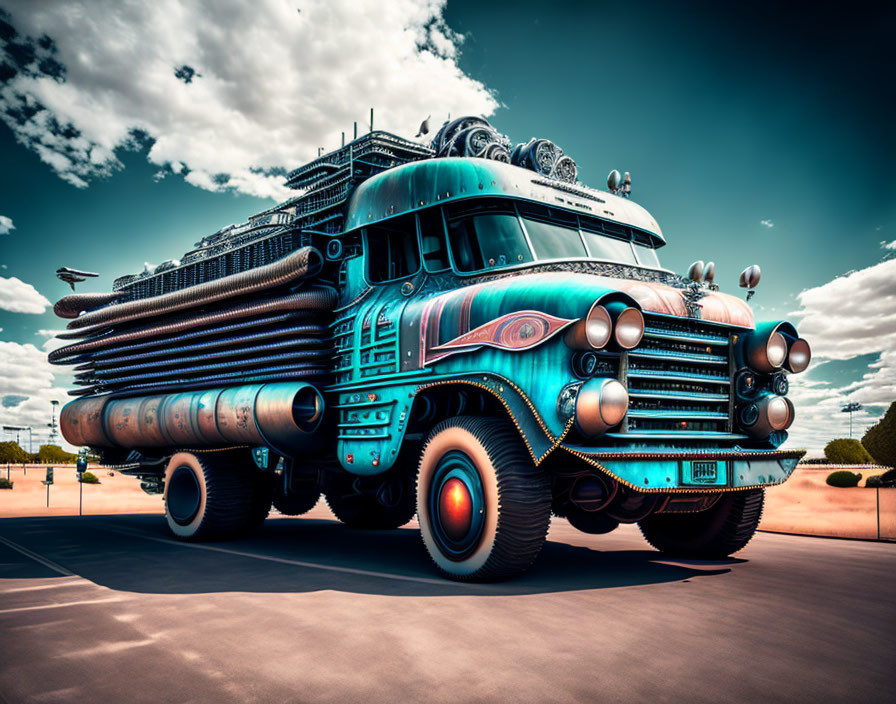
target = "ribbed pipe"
x: 72, y: 305
x: 313, y: 299
x: 182, y: 362
x: 301, y: 336
x: 312, y: 372
x: 306, y: 261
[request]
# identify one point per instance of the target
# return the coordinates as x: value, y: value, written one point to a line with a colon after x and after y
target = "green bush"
x: 5, y: 483
x: 888, y: 479
x: 11, y: 452
x: 847, y: 451
x: 53, y: 454
x: 880, y: 439
x: 872, y: 482
x: 843, y: 479
x: 89, y: 478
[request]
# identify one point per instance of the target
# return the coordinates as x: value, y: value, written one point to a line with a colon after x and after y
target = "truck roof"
x: 421, y: 184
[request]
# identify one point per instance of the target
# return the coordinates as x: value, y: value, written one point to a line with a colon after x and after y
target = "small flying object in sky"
x: 424, y: 127
x: 73, y: 276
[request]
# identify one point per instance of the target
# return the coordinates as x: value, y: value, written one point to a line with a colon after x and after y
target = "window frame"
x: 445, y: 242
x: 367, y: 250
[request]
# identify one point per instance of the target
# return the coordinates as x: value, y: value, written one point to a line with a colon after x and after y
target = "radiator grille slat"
x: 679, y: 383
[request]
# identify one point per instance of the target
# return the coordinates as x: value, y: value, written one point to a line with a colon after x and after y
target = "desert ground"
x: 803, y: 505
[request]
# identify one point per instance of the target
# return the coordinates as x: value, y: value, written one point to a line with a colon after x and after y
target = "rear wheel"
x: 206, y: 497
x: 262, y: 494
x: 715, y: 533
x: 298, y: 501
x: 484, y: 508
x: 389, y: 504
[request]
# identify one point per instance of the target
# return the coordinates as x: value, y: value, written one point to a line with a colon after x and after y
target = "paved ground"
x: 108, y: 609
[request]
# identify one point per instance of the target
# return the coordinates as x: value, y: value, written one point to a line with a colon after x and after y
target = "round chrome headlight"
x: 799, y: 356
x: 778, y: 411
x: 776, y: 350
x: 629, y: 328
x: 600, y: 405
x: 592, y: 332
x: 769, y: 414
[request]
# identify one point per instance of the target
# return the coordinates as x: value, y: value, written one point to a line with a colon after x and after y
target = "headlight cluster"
x: 775, y: 345
x: 768, y: 353
x: 615, y: 323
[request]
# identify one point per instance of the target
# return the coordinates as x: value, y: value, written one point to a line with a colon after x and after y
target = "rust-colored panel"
x: 81, y: 422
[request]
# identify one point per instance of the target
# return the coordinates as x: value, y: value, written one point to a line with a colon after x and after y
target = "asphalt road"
x: 109, y: 609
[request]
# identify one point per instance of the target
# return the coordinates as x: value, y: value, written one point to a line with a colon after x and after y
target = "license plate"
x: 704, y: 472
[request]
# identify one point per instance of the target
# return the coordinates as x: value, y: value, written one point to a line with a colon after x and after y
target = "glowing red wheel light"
x: 455, y: 509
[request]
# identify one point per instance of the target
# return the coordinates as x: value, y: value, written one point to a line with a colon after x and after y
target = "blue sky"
x: 756, y: 134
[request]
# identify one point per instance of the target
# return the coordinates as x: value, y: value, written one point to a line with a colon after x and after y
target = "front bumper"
x: 702, y: 470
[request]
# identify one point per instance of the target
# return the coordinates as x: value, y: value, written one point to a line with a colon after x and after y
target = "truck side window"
x: 432, y: 235
x: 392, y: 249
x: 487, y: 241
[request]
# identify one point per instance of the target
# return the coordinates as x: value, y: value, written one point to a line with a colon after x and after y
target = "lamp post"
x: 17, y: 429
x: 850, y: 408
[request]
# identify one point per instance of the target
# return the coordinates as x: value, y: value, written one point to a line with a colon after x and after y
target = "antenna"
x: 371, y: 119
x: 356, y: 129
x: 343, y: 139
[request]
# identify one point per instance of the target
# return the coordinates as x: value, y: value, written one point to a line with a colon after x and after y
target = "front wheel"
x: 712, y: 534
x: 483, y: 506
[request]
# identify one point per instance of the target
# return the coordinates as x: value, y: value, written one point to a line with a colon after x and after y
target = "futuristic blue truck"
x: 460, y: 331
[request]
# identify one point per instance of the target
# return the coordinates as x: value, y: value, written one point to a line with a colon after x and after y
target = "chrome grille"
x: 679, y: 382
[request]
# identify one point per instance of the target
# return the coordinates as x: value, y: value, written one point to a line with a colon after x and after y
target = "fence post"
x: 877, y: 502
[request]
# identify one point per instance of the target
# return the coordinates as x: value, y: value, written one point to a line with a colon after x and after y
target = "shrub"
x: 880, y: 439
x: 5, y: 483
x: 843, y: 479
x: 888, y: 479
x: 11, y: 452
x: 847, y: 451
x: 872, y: 482
x: 53, y: 454
x: 89, y: 478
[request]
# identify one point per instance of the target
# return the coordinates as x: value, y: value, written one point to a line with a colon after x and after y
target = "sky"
x: 755, y: 134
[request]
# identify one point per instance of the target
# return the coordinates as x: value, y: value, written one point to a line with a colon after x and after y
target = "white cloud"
x: 271, y: 84
x: 25, y: 372
x: 767, y: 223
x: 889, y: 245
x: 6, y: 225
x: 18, y: 297
x: 852, y: 315
x: 52, y: 342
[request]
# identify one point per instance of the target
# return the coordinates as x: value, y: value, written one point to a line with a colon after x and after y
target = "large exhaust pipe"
x: 283, y: 416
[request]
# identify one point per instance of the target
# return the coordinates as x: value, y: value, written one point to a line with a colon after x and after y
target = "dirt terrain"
x: 804, y: 504
x: 114, y: 494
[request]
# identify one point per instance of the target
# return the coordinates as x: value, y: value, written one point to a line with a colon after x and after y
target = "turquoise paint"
x: 421, y: 184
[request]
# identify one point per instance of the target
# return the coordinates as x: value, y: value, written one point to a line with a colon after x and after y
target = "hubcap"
x: 456, y: 505
x: 184, y: 495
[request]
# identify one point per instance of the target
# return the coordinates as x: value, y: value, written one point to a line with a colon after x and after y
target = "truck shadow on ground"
x: 136, y: 554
